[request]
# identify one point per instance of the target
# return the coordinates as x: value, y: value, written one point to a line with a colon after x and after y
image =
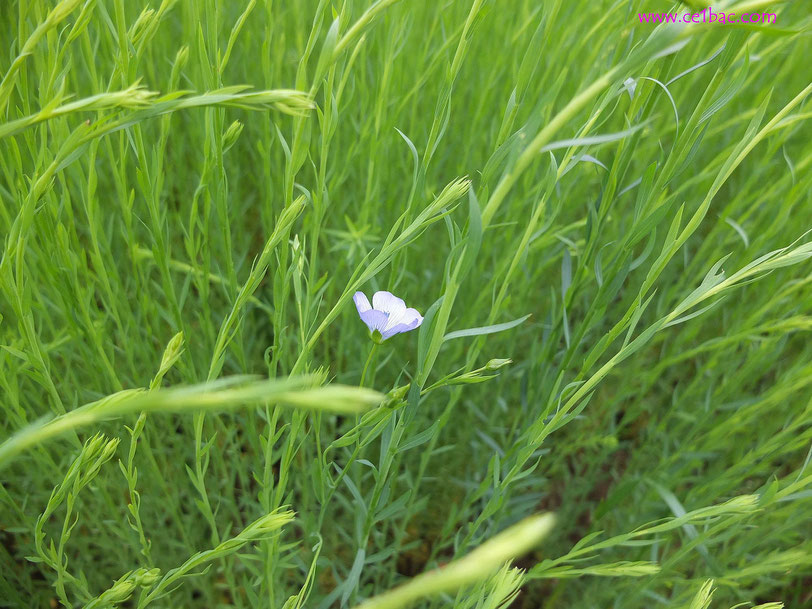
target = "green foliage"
x: 606, y: 225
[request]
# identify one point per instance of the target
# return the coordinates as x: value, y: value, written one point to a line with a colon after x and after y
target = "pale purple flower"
x: 388, y: 314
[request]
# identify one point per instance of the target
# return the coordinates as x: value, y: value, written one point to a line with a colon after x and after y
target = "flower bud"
x: 119, y: 592
x: 398, y: 393
x: 182, y: 57
x: 173, y: 351
x: 142, y: 25
x: 109, y: 449
x: 146, y: 578
x: 495, y: 364
x: 231, y: 134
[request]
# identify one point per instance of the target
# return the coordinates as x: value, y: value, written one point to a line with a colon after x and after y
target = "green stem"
x: 369, y: 359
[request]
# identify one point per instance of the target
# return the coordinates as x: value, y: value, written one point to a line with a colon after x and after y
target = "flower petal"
x: 395, y: 318
x: 374, y: 319
x: 411, y: 315
x: 361, y: 302
x: 388, y: 303
x: 402, y: 327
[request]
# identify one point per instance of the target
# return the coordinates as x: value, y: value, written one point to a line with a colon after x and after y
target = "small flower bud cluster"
x: 124, y: 587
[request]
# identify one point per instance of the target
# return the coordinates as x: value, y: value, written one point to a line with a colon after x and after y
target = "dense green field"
x: 603, y: 223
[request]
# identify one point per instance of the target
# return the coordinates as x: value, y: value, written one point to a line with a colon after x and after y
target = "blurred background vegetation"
x: 192, y: 190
